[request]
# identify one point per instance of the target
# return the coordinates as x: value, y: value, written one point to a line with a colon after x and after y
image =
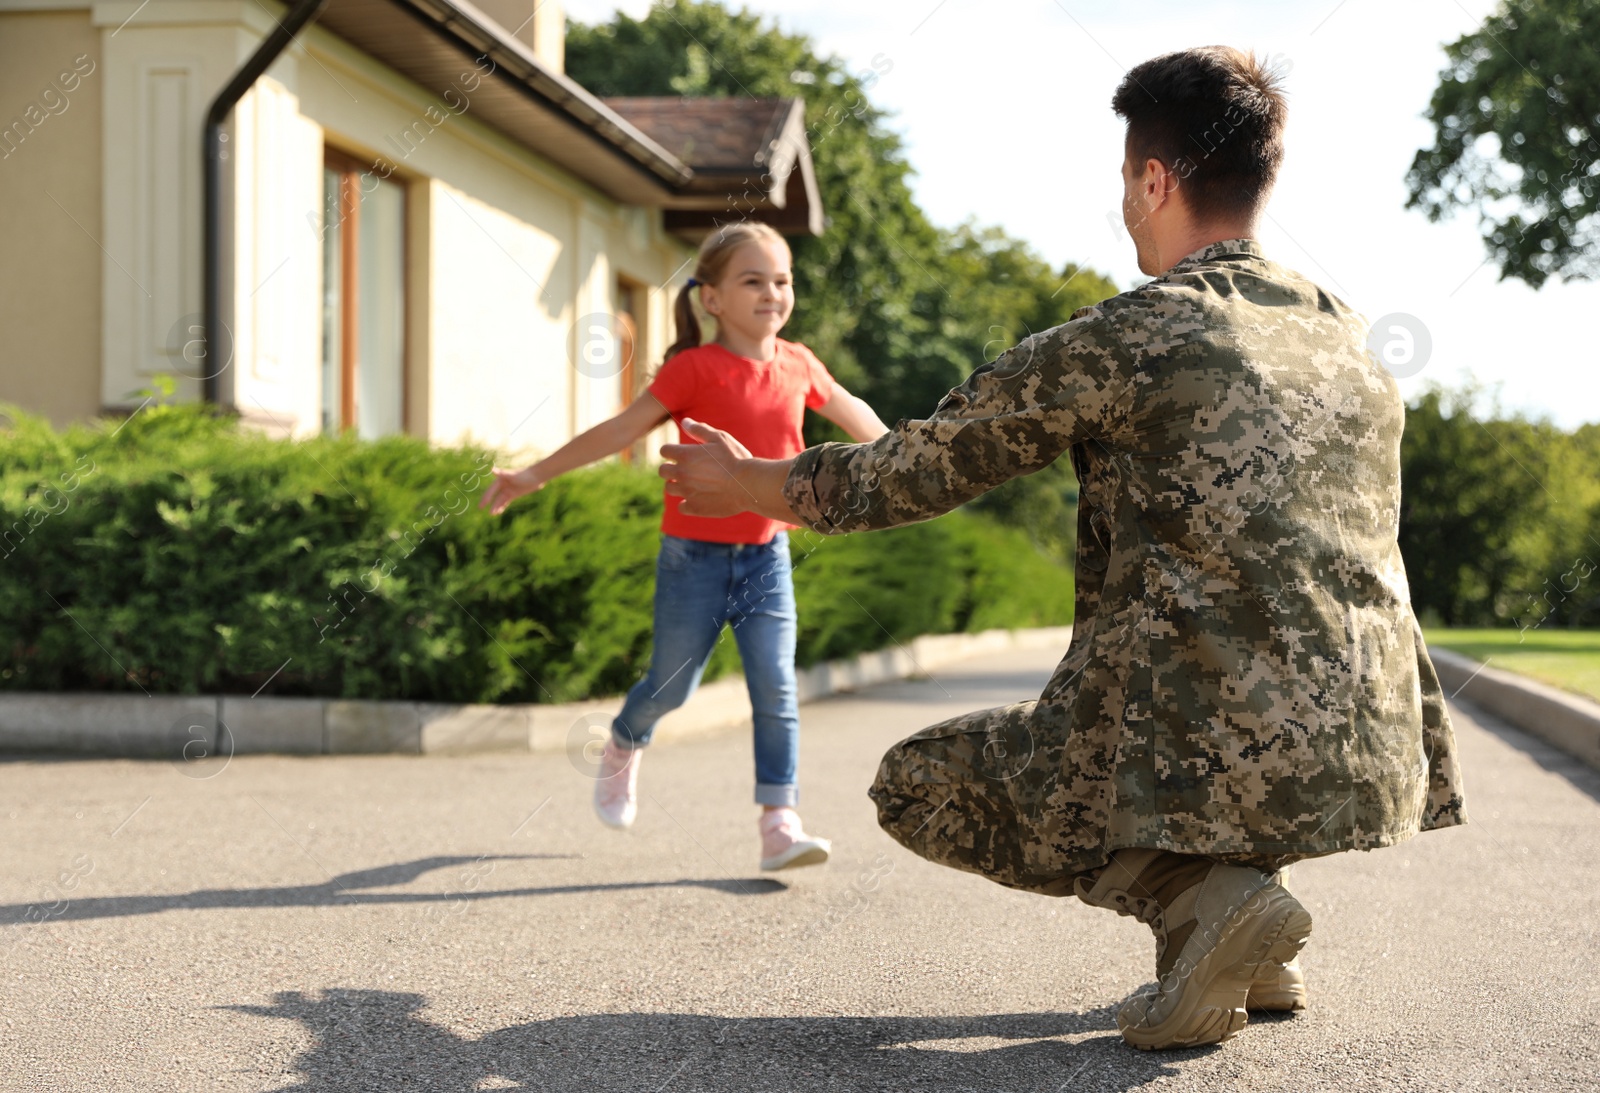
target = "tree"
x: 1517, y: 136
x: 1498, y: 517
x: 1000, y: 292
x: 900, y: 310
x: 858, y: 283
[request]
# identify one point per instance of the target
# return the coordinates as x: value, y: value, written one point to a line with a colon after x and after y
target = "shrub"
x: 179, y: 554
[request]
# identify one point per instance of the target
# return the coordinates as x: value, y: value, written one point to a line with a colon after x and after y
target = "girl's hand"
x: 508, y: 486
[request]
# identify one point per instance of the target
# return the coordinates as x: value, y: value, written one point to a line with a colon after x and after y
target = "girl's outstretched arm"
x: 612, y: 435
x: 853, y: 415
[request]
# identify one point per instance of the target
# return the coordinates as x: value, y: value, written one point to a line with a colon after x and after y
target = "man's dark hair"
x: 1214, y: 116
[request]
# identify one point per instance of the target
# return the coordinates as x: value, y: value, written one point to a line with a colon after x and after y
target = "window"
x: 363, y: 300
x: 629, y: 296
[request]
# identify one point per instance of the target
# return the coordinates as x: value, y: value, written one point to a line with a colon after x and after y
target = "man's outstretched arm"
x: 719, y: 476
x: 1011, y: 417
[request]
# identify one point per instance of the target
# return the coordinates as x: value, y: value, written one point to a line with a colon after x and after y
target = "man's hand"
x: 705, y: 474
x: 719, y: 476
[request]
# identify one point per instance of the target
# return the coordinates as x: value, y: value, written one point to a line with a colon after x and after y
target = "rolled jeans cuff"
x: 784, y: 796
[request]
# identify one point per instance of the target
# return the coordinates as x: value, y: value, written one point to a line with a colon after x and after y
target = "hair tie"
x: 690, y: 283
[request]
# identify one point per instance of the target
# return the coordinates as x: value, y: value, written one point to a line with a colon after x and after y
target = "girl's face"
x: 755, y: 294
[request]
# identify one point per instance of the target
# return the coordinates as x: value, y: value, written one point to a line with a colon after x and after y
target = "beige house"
x: 425, y: 226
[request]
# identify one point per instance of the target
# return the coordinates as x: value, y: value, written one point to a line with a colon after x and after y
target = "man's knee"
x: 899, y: 786
x: 937, y: 797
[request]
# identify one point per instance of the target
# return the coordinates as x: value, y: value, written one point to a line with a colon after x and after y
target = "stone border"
x: 197, y: 726
x: 1567, y: 721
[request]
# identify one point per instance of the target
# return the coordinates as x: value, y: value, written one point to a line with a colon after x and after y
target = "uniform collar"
x: 1213, y: 252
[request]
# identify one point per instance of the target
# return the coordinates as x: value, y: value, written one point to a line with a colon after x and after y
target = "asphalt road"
x: 395, y: 923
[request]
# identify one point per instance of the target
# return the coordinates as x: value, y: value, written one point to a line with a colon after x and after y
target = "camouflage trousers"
x: 969, y: 793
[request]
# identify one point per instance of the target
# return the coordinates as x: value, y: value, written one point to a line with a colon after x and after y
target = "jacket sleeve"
x: 1011, y: 417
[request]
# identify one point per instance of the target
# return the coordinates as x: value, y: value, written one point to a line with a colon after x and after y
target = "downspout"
x: 275, y: 43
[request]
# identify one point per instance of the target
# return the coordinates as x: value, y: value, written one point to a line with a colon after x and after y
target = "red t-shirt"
x: 761, y: 403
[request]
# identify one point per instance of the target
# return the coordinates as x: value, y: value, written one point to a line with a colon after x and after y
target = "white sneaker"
x: 616, y: 792
x: 784, y: 845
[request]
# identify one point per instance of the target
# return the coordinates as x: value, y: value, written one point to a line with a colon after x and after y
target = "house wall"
x: 518, y: 251
x: 50, y: 217
x: 163, y: 63
x: 274, y: 281
x: 506, y: 252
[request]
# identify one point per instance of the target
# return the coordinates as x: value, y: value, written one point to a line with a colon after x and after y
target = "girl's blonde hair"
x: 709, y: 267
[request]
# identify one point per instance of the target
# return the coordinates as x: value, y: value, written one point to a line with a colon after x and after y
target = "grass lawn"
x: 1569, y: 659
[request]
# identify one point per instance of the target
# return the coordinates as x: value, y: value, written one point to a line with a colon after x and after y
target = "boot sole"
x: 1212, y: 998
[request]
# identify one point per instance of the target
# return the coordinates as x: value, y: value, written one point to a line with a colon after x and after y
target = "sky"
x: 1003, y: 107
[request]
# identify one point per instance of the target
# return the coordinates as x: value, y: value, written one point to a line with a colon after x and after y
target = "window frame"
x: 350, y: 168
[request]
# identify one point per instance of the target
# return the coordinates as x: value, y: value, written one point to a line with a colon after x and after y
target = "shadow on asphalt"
x: 346, y: 889
x: 366, y: 1040
x: 1582, y: 776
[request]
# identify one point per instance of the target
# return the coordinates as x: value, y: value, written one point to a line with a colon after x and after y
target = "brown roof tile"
x: 710, y: 134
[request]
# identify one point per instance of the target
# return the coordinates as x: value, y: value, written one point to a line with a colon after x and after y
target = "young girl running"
x: 726, y: 570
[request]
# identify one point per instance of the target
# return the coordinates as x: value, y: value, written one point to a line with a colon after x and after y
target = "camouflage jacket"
x: 1245, y: 672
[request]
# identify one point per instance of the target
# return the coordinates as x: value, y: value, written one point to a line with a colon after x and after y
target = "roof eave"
x: 548, y: 112
x: 610, y: 153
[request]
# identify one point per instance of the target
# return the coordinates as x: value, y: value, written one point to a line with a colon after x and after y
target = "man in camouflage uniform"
x: 1246, y: 685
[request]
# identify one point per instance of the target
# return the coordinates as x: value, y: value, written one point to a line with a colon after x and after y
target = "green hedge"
x: 179, y: 554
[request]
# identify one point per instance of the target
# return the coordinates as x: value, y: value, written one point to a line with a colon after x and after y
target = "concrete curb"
x: 200, y: 726
x: 1564, y: 720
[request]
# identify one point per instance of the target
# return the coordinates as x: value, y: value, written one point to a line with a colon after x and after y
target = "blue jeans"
x: 700, y: 587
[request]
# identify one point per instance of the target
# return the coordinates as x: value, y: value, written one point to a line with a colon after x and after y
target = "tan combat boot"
x: 1217, y: 928
x: 1278, y: 988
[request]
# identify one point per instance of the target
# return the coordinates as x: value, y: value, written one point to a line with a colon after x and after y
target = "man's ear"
x: 1157, y: 184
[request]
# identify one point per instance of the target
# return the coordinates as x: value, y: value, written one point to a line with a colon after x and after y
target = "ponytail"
x: 709, y: 267
x: 688, y: 322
